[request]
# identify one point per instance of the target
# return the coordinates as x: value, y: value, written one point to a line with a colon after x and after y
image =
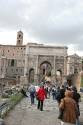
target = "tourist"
x: 53, y: 92
x: 69, y: 83
x: 41, y: 95
x: 24, y: 92
x: 60, y: 94
x: 76, y: 97
x: 32, y: 92
x: 69, y: 108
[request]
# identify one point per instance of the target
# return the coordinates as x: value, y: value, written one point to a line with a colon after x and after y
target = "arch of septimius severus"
x: 36, y: 62
x: 45, y: 60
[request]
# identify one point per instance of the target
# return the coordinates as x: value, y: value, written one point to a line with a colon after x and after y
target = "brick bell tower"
x: 19, y: 38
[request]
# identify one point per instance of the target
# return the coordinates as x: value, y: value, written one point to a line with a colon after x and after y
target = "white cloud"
x: 7, y: 37
x: 72, y: 49
x: 46, y: 21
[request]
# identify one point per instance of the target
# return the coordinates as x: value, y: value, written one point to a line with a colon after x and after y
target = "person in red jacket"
x: 41, y: 95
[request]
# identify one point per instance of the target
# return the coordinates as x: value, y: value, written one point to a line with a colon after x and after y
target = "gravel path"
x: 25, y: 114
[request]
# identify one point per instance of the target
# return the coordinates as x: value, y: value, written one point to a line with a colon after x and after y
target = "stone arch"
x: 31, y: 75
x: 45, y: 69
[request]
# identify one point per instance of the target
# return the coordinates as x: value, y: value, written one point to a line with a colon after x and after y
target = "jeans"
x: 32, y: 98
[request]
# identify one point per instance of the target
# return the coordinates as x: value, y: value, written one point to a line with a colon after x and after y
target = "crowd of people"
x: 66, y: 96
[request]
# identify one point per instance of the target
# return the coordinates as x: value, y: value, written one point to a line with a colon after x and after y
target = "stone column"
x: 65, y: 65
x: 3, y: 64
x: 36, y: 71
x: 65, y: 69
x: 26, y: 59
x: 26, y: 67
x: 68, y: 66
x: 54, y: 72
x: 54, y: 65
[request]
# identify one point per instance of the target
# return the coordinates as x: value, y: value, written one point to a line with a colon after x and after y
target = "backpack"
x: 32, y: 90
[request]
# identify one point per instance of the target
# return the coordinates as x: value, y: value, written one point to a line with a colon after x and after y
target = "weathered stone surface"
x: 25, y: 114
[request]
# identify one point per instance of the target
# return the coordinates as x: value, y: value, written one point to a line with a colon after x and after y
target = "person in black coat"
x: 24, y: 92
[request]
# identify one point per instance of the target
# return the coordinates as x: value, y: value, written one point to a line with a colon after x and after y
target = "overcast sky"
x: 58, y: 22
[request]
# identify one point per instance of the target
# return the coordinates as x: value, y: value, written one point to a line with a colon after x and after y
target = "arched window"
x: 12, y: 62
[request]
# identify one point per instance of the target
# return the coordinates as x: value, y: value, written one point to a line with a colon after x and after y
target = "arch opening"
x: 31, y: 75
x: 59, y: 77
x: 45, y: 71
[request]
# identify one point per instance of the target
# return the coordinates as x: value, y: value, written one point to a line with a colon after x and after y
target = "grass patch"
x: 13, y: 100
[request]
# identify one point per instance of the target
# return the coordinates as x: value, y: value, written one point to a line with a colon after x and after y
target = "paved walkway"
x: 25, y: 114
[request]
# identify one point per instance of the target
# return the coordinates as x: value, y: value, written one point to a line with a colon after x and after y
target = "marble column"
x: 65, y: 69
x: 65, y: 66
x: 54, y: 70
x: 36, y: 71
